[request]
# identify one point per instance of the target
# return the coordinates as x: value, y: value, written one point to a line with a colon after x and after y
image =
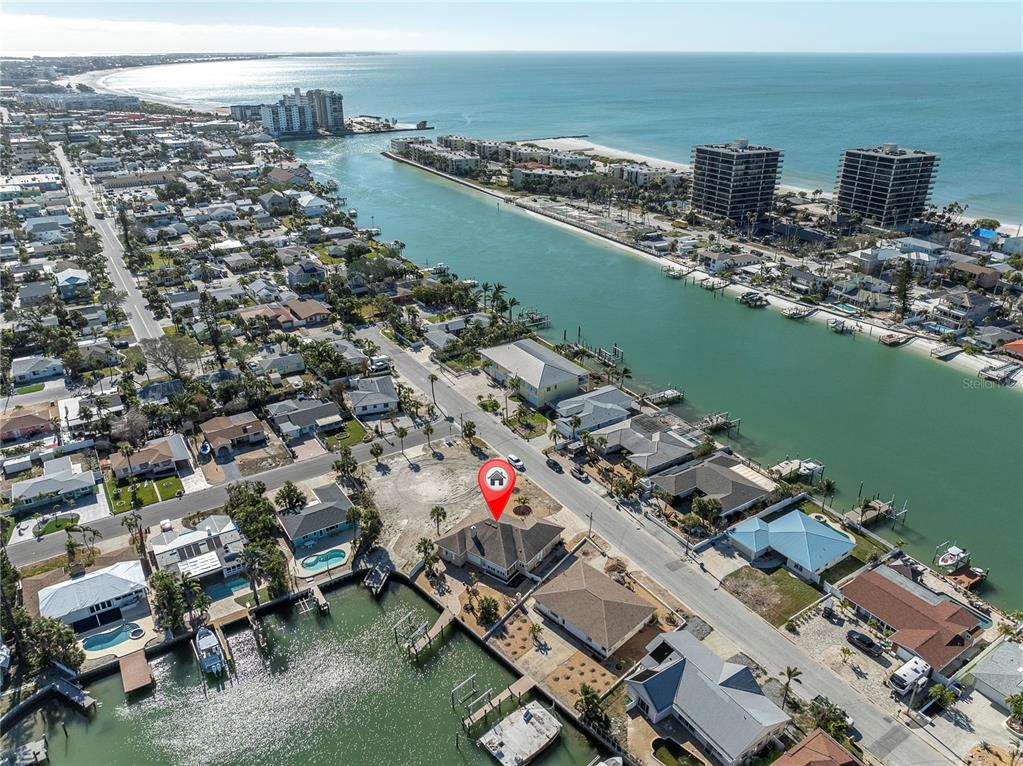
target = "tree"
x: 426, y: 549
x: 487, y: 610
x: 428, y: 431
x: 197, y: 599
x: 172, y: 354
x: 433, y: 379
x: 48, y: 639
x: 127, y: 451
x: 942, y: 695
x: 254, y: 558
x: 346, y: 464
x: 846, y: 653
x: 708, y: 508
x: 401, y: 432
x: 290, y: 498
x: 352, y: 519
x: 828, y: 488
x: 468, y: 430
x: 1015, y: 705
x: 535, y: 631
x: 438, y: 515
x: 791, y: 674
x: 903, y: 279
x: 588, y: 705
x: 10, y: 579
x: 828, y: 716
x: 376, y: 449
x: 169, y: 599
x: 371, y: 526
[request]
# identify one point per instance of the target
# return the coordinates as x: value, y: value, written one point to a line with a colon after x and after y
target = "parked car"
x: 516, y: 463
x: 864, y: 643
x: 554, y: 465
x: 579, y: 473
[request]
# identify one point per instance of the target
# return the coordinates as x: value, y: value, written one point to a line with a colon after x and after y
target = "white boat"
x: 953, y: 557
x: 209, y: 651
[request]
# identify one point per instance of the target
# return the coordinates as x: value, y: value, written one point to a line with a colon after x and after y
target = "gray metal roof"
x: 82, y: 592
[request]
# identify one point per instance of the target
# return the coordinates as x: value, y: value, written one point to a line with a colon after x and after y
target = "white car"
x: 516, y: 463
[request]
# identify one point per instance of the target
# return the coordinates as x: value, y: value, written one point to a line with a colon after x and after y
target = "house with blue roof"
x: 806, y: 546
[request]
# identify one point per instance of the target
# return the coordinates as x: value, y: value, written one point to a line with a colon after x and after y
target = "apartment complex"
x: 735, y: 180
x: 298, y: 113
x: 885, y: 185
x: 328, y: 109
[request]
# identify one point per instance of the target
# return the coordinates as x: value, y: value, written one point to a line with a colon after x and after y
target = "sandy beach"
x: 97, y: 80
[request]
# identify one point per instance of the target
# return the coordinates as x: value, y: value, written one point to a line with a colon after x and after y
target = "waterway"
x: 334, y: 690
x: 896, y: 421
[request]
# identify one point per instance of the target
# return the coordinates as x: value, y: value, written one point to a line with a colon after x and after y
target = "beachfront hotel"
x: 735, y: 180
x: 885, y: 185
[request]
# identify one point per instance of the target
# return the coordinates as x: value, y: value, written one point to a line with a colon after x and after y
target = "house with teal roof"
x: 804, y: 545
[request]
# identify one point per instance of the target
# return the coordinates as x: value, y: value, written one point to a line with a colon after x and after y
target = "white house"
x: 544, y: 377
x: 311, y: 205
x: 211, y: 549
x: 28, y: 369
x: 96, y: 598
x: 373, y: 396
x: 595, y: 409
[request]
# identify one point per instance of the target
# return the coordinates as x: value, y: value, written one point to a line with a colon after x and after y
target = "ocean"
x: 968, y: 108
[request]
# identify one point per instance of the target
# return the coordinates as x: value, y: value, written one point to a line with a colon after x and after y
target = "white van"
x: 906, y: 677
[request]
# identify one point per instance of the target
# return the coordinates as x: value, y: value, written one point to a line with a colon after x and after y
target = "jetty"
x: 798, y: 312
x: 377, y: 579
x: 523, y: 686
x: 999, y: 373
x: 520, y: 737
x: 135, y: 671
x: 944, y: 352
x: 423, y: 642
x: 893, y: 339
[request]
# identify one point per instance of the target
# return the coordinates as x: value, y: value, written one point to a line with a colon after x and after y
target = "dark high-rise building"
x: 734, y: 180
x: 328, y: 109
x: 885, y: 185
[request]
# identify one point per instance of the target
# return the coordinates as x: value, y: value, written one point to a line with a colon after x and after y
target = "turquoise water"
x: 323, y: 560
x: 331, y: 690
x: 227, y: 588
x: 110, y: 638
x: 967, y: 107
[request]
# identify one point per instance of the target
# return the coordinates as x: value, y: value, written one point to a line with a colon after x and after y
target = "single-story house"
x: 544, y: 377
x: 308, y: 310
x: 160, y: 391
x: 719, y: 703
x: 28, y: 369
x: 159, y: 456
x: 593, y: 608
x: 924, y: 624
x: 227, y: 433
x: 503, y: 549
x: 25, y: 425
x: 327, y: 516
x: 373, y: 396
x: 239, y: 263
x: 209, y: 549
x: 595, y: 409
x: 818, y: 748
x: 720, y: 476
x: 998, y: 673
x: 296, y: 418
x: 34, y: 293
x: 95, y: 598
x: 61, y: 482
x: 651, y: 442
x: 282, y: 364
x: 808, y: 546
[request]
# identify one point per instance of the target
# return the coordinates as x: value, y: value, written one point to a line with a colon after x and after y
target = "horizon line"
x: 396, y: 52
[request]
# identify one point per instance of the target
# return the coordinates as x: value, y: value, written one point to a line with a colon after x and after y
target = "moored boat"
x: 209, y: 651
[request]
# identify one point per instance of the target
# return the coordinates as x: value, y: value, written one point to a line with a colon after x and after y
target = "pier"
x: 893, y: 339
x: 944, y: 352
x: 29, y: 753
x: 798, y: 312
x: 76, y: 695
x: 135, y: 671
x: 534, y: 319
x: 999, y: 373
x: 713, y: 284
x: 839, y: 326
x: 667, y: 396
x: 423, y: 642
x: 718, y: 421
x: 523, y: 686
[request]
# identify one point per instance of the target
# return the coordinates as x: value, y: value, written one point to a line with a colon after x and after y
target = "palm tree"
x: 468, y: 430
x: 127, y: 451
x: 428, y: 430
x: 71, y: 546
x: 352, y: 518
x: 346, y: 464
x: 512, y: 303
x: 401, y: 433
x: 791, y: 674
x: 511, y: 383
x: 132, y: 521
x: 827, y: 488
x: 254, y: 559
x: 624, y: 374
x: 497, y: 293
x: 485, y: 289
x: 376, y: 449
x: 190, y: 589
x: 575, y: 421
x: 438, y: 515
x: 433, y: 379
x: 535, y: 631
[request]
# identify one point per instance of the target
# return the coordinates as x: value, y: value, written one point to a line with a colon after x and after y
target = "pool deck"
x: 125, y: 647
x: 341, y: 543
x: 135, y: 671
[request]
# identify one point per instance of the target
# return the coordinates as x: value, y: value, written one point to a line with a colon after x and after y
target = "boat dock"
x: 839, y: 326
x: 718, y: 421
x: 222, y: 637
x: 798, y: 312
x: 713, y: 284
x: 425, y: 641
x: 753, y: 299
x: 520, y: 737
x: 523, y: 686
x: 377, y: 579
x: 76, y: 695
x: 893, y: 339
x: 667, y: 396
x: 135, y: 671
x: 676, y: 272
x: 999, y: 373
x: 944, y: 352
x: 29, y: 753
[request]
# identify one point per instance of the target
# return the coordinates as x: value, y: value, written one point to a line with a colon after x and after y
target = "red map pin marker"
x: 497, y: 480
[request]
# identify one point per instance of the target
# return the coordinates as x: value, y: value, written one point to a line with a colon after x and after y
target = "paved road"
x: 141, y: 319
x: 887, y: 739
x: 31, y: 551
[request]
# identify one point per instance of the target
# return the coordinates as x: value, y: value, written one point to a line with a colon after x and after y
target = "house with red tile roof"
x: 818, y: 749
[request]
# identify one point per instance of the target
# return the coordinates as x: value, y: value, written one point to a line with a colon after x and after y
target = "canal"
x: 333, y: 690
x: 925, y: 432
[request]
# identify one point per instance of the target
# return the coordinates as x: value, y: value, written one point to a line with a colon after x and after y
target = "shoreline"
x: 96, y: 80
x: 919, y: 344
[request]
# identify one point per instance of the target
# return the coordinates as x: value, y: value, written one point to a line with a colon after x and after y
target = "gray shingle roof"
x: 315, y: 517
x: 502, y: 543
x: 712, y: 477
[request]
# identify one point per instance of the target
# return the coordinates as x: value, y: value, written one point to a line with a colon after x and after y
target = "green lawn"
x: 119, y: 495
x: 775, y: 596
x: 352, y: 434
x: 169, y: 487
x: 531, y: 426
x: 464, y: 363
x: 7, y: 525
x: 55, y: 525
x: 245, y: 597
x: 30, y: 389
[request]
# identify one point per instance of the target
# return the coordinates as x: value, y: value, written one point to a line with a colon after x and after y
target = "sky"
x: 852, y: 26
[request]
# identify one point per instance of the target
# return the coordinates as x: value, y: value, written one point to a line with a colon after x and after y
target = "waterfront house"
x: 593, y: 608
x: 544, y: 377
x: 998, y: 673
x: 209, y: 550
x: 503, y: 549
x: 298, y: 418
x: 650, y: 442
x: 807, y: 546
x: 311, y: 205
x: 373, y: 396
x: 721, y: 477
x: 62, y: 482
x: 924, y: 624
x: 25, y: 424
x: 602, y: 407
x: 158, y: 457
x: 718, y: 703
x: 959, y: 308
x: 95, y: 598
x: 29, y: 369
x: 228, y: 433
x: 323, y: 518
x: 818, y: 748
x: 275, y: 203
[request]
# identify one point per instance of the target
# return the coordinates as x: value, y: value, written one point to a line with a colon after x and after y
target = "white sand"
x: 97, y: 80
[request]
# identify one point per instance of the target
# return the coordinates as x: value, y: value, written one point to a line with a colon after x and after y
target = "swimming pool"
x: 845, y: 307
x: 935, y: 328
x: 323, y: 560
x: 113, y: 637
x: 982, y: 619
x: 227, y: 588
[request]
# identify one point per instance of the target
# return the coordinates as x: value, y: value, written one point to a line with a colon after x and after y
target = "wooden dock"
x: 999, y: 373
x: 321, y: 601
x: 425, y: 641
x: 222, y: 638
x: 943, y: 352
x: 135, y: 671
x: 29, y: 753
x: 523, y: 686
x: 74, y: 694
